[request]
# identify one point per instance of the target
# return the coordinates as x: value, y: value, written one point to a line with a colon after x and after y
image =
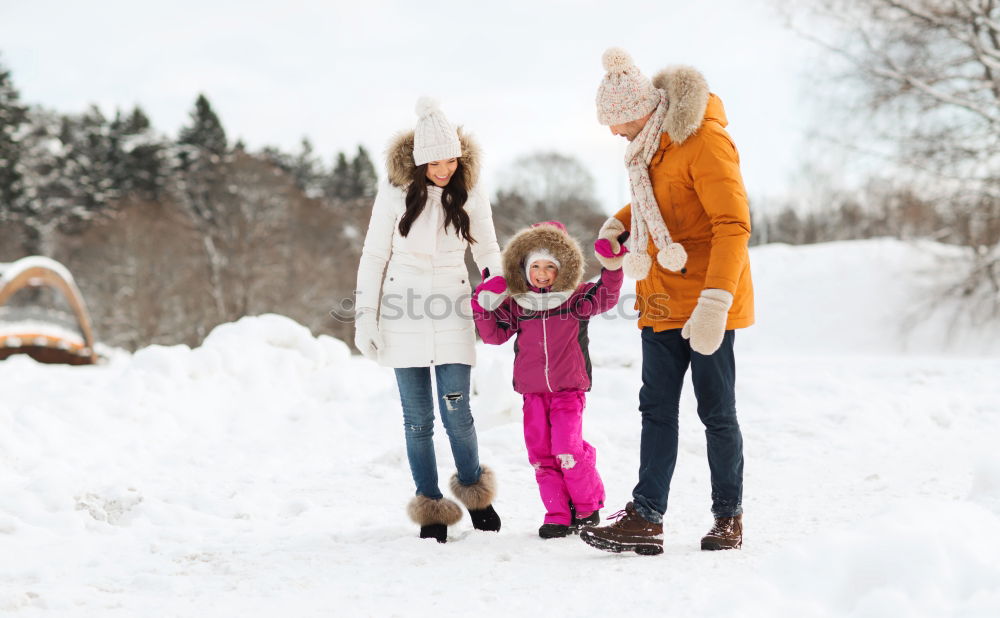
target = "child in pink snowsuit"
x: 548, y: 308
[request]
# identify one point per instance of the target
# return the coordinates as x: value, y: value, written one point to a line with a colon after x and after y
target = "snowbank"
x: 878, y: 296
x: 264, y: 473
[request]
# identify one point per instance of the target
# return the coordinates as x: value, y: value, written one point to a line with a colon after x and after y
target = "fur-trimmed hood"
x: 399, y: 163
x: 689, y: 99
x: 547, y: 236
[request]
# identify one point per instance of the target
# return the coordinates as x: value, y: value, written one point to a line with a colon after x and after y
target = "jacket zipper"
x: 545, y: 347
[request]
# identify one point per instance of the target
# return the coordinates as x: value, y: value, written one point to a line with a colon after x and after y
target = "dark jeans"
x: 418, y: 424
x: 665, y: 359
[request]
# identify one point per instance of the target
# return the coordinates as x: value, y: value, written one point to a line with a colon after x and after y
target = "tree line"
x: 169, y: 236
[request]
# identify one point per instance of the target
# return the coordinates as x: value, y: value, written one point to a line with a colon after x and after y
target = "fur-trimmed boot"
x: 434, y: 516
x: 478, y: 498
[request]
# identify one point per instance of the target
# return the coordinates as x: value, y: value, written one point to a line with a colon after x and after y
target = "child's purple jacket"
x: 551, y: 350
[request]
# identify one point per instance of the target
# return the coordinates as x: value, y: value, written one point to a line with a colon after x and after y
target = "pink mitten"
x: 602, y: 247
x: 610, y: 246
x: 489, y: 294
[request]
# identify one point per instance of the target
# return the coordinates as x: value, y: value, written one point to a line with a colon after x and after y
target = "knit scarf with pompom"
x: 646, y: 217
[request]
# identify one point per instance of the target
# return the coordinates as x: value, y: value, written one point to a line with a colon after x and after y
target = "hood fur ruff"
x: 399, y: 163
x: 687, y: 93
x: 560, y: 244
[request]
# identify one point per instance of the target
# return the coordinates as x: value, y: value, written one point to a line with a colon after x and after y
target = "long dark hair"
x: 453, y: 200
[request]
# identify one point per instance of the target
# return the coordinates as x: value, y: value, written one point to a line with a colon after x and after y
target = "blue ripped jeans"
x: 418, y: 424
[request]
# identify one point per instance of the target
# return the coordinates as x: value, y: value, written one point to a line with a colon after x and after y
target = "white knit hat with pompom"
x: 625, y: 94
x: 539, y: 254
x: 434, y: 139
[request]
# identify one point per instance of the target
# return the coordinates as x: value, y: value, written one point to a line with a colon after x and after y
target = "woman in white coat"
x: 417, y: 315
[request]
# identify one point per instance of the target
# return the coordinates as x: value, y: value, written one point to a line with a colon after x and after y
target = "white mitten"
x: 707, y: 325
x: 366, y: 335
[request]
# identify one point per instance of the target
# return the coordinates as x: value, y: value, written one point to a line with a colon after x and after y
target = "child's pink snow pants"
x: 565, y: 465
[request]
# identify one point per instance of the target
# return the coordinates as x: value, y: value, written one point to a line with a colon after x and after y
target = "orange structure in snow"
x: 33, y: 330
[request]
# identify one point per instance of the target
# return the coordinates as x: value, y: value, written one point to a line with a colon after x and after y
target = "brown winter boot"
x: 727, y: 533
x: 630, y: 532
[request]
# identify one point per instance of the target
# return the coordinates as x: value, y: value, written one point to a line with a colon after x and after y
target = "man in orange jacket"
x: 688, y: 228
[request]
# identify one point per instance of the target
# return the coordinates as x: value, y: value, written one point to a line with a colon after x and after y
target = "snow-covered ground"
x: 264, y: 473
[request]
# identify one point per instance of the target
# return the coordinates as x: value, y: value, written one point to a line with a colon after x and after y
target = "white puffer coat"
x: 423, y: 299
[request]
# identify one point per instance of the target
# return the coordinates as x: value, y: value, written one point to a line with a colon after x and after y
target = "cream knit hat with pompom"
x: 434, y: 139
x: 625, y: 94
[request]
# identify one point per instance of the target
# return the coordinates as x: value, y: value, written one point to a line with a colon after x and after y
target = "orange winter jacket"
x: 699, y: 190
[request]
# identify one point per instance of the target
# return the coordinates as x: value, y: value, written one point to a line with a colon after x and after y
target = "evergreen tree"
x: 351, y: 179
x: 274, y: 156
x: 365, y: 182
x: 338, y: 185
x: 67, y: 164
x: 205, y: 190
x: 117, y: 139
x: 200, y: 154
x: 87, y: 165
x: 307, y: 170
x: 41, y: 162
x: 137, y: 155
x: 12, y: 117
x: 205, y: 130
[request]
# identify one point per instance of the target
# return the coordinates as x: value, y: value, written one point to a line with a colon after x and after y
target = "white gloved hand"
x: 612, y: 254
x: 366, y: 335
x: 707, y: 325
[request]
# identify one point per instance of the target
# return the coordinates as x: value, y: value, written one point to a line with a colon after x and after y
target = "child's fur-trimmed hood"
x: 543, y: 236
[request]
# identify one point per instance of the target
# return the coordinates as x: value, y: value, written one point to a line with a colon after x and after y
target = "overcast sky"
x: 520, y: 75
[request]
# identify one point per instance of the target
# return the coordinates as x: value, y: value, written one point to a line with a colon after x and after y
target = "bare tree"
x: 928, y: 75
x: 254, y: 234
x: 547, y: 186
x: 140, y: 272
